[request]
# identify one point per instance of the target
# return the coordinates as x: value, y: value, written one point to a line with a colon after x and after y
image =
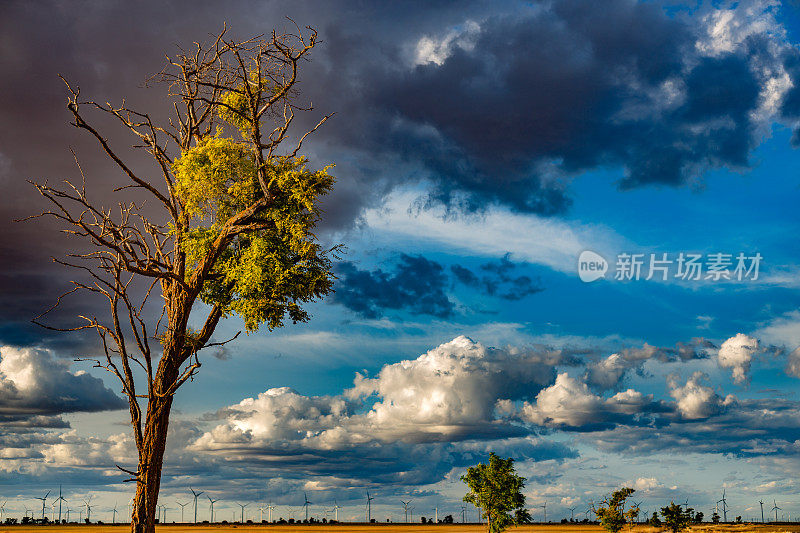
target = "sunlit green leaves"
x: 270, y: 269
x: 496, y: 489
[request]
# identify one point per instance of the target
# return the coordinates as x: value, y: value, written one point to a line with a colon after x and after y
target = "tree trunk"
x: 151, y: 458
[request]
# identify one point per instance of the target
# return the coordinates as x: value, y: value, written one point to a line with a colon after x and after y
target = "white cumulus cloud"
x: 737, y: 354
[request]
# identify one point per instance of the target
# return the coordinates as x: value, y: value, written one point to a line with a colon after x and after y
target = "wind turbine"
x: 724, y: 507
x: 242, y: 506
x: 113, y: 516
x: 336, y: 510
x: 436, y: 515
x: 182, y: 506
x: 463, y: 514
x: 405, y: 506
x: 369, y: 507
x: 196, y: 495
x: 776, y: 509
x: 761, y: 502
x: 306, y: 503
x: 544, y: 507
x: 637, y: 506
x: 59, y: 500
x: 88, y: 509
x: 2, y: 510
x: 43, y: 502
x: 271, y: 508
x: 571, y: 514
x: 212, y: 506
x: 164, y: 519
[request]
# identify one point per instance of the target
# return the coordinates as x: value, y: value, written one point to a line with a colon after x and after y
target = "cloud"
x: 695, y: 400
x: 500, y: 280
x: 33, y: 382
x: 581, y: 90
x: 443, y: 402
x: 416, y: 284
x: 609, y: 372
x: 793, y: 366
x: 570, y: 403
x: 537, y: 240
x: 737, y: 353
x: 644, y: 484
x: 454, y: 386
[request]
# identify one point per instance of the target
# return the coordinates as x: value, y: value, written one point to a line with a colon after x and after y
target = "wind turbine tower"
x: 271, y: 508
x: 571, y: 514
x: 212, y: 502
x: 113, y: 516
x: 182, y: 506
x: 88, y: 509
x: 242, y: 506
x: 43, y: 502
x: 724, y: 507
x: 196, y: 495
x: 59, y: 500
x: 544, y: 508
x: 336, y: 511
x: 369, y: 507
x: 306, y: 503
x: 776, y: 509
x: 436, y: 515
x: 405, y: 507
x: 761, y: 502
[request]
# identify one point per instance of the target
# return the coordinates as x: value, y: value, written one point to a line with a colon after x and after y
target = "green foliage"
x: 654, y: 520
x: 698, y: 517
x: 496, y: 489
x: 715, y: 518
x: 267, y: 272
x: 611, y: 512
x: 522, y: 516
x: 676, y: 518
x: 234, y: 109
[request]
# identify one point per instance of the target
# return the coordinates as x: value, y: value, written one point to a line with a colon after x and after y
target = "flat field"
x: 389, y: 528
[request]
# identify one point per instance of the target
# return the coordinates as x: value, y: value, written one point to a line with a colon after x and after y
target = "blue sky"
x: 479, y: 151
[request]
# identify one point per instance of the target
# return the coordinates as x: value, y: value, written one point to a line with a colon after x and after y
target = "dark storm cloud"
x: 791, y: 103
x: 34, y: 383
x: 418, y: 284
x: 501, y: 280
x: 498, y: 278
x: 415, y: 284
x: 566, y: 89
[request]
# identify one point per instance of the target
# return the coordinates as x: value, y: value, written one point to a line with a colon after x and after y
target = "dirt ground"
x: 390, y: 528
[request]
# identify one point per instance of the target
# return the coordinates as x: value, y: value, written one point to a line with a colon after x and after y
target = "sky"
x: 570, y: 237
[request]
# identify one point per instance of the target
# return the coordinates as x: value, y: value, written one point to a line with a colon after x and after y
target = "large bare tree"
x: 233, y: 227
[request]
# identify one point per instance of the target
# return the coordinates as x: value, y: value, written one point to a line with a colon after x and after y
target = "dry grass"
x: 387, y: 528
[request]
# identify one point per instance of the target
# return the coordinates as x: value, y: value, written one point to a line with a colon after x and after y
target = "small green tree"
x: 676, y: 518
x: 654, y: 520
x: 496, y: 489
x: 698, y: 518
x: 611, y: 512
x: 715, y: 518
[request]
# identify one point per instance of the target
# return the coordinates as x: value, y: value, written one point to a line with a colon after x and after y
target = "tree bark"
x: 151, y: 459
